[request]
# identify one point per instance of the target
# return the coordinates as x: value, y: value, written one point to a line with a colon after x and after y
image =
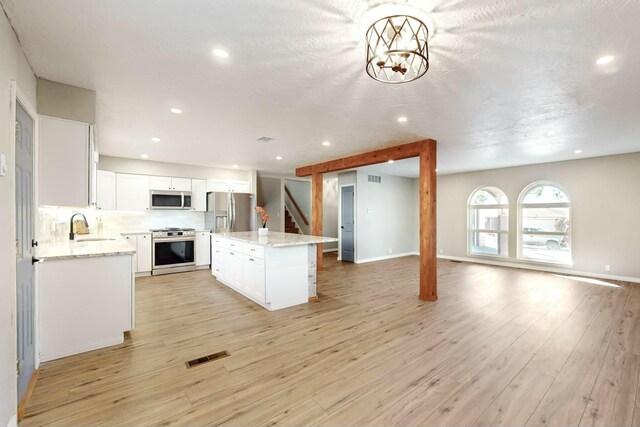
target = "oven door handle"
x: 173, y: 239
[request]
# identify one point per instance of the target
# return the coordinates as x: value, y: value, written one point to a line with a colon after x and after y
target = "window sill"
x: 549, y: 263
x: 474, y: 255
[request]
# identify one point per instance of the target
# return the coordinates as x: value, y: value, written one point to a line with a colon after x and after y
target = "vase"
x: 263, y: 231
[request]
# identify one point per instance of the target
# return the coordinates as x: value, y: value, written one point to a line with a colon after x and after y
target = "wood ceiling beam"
x: 396, y: 152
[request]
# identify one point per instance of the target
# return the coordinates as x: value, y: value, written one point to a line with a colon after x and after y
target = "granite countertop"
x: 276, y: 239
x: 83, y: 248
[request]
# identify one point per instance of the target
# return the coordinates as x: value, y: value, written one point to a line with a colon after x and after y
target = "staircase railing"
x: 295, y: 205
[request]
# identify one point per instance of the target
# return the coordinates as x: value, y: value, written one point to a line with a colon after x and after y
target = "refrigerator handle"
x: 229, y: 213
x: 233, y: 211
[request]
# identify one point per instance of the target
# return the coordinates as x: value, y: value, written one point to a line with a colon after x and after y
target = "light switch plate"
x: 3, y: 165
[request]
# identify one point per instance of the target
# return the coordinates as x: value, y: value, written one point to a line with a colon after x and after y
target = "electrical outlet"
x: 3, y: 165
x: 607, y: 267
x: 390, y: 251
x: 441, y: 251
x: 369, y: 210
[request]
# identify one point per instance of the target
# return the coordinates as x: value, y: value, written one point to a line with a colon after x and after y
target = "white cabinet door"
x: 160, y: 183
x: 132, y: 192
x: 240, y: 187
x: 217, y: 185
x: 203, y: 245
x: 254, y: 278
x: 106, y: 190
x: 181, y: 184
x: 233, y: 269
x: 133, y: 241
x: 143, y: 253
x: 199, y: 194
x: 64, y: 162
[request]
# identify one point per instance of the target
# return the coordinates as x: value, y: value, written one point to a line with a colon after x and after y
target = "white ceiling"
x: 503, y: 75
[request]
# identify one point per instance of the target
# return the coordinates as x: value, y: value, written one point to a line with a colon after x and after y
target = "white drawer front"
x: 256, y: 251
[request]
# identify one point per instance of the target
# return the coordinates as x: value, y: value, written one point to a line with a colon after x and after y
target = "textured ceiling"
x: 511, y: 81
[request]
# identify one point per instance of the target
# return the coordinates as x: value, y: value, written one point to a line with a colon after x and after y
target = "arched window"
x: 544, y: 212
x: 488, y: 222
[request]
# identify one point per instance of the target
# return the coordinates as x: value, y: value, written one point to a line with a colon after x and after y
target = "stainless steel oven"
x: 173, y: 250
x: 170, y: 199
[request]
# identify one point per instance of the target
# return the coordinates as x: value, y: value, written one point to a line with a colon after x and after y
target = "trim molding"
x: 13, y: 422
x: 546, y: 268
x: 382, y: 258
x: 330, y: 250
x: 27, y: 394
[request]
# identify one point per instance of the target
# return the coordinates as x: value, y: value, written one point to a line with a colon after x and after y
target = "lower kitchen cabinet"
x: 142, y: 259
x: 203, y: 248
x: 274, y: 278
x: 84, y: 304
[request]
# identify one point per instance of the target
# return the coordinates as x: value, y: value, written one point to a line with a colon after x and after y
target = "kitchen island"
x: 86, y: 295
x: 275, y: 271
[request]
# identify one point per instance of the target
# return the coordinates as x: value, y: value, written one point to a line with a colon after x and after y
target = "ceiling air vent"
x: 375, y: 178
x: 265, y: 139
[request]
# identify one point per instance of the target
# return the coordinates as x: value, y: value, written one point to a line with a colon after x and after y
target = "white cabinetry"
x: 106, y: 190
x: 132, y: 192
x: 169, y: 183
x: 273, y: 277
x: 218, y: 185
x: 84, y: 304
x: 65, y: 158
x: 199, y: 194
x: 203, y: 248
x: 142, y: 257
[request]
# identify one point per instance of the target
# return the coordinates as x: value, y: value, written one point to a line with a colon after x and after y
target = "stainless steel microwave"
x: 170, y: 199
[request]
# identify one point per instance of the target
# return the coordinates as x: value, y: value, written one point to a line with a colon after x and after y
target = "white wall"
x: 148, y: 167
x: 385, y: 215
x: 13, y: 66
x: 271, y: 198
x: 330, y: 211
x: 67, y: 102
x: 605, y: 209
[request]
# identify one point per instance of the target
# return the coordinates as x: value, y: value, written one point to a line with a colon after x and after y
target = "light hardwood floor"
x: 501, y: 347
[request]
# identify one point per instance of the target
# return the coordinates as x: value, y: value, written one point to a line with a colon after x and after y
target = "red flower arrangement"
x: 264, y: 215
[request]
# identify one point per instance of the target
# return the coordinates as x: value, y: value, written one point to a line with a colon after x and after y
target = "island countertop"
x: 86, y: 247
x: 275, y: 239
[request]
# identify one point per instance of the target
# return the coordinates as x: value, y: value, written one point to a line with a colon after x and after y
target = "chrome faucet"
x: 72, y: 235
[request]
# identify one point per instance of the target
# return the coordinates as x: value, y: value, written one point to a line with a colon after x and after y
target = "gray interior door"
x: 347, y: 223
x: 25, y: 235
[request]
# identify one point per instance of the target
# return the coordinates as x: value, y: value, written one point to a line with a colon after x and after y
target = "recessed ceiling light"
x: 577, y: 151
x: 144, y: 156
x: 155, y: 139
x: 402, y: 119
x: 390, y: 161
x: 235, y: 166
x: 278, y: 157
x: 176, y: 111
x: 326, y: 143
x: 604, y: 60
x: 221, y: 53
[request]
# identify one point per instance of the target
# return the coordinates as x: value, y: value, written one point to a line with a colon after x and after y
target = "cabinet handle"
x: 251, y: 259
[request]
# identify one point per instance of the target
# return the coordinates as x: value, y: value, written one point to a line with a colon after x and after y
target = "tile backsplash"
x: 54, y: 221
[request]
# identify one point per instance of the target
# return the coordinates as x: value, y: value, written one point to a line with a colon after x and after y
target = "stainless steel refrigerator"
x: 230, y: 212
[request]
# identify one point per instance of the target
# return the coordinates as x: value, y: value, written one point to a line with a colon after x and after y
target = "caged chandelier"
x: 397, y: 49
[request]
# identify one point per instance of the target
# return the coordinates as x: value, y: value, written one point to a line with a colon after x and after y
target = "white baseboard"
x: 330, y: 250
x: 549, y: 269
x: 13, y: 422
x: 382, y: 258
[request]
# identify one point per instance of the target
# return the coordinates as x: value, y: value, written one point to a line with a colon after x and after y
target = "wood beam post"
x: 316, y: 213
x: 428, y: 242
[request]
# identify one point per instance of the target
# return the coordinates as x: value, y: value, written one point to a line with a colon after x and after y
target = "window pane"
x: 489, y: 196
x: 545, y: 220
x: 489, y: 243
x: 490, y: 219
x: 546, y: 247
x: 545, y: 194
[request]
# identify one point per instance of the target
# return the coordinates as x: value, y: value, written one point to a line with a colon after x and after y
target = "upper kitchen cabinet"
x: 65, y: 165
x: 217, y: 185
x: 132, y: 192
x: 106, y: 190
x: 169, y: 183
x: 199, y: 194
